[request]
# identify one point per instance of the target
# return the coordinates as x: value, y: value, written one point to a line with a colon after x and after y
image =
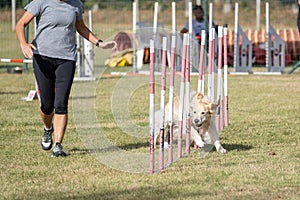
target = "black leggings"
x: 54, y: 78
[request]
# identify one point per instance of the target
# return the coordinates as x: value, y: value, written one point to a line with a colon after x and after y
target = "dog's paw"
x: 198, y: 140
x: 200, y: 144
x: 219, y: 147
x: 222, y: 150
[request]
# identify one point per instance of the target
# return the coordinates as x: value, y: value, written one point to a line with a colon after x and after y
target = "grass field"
x: 263, y: 161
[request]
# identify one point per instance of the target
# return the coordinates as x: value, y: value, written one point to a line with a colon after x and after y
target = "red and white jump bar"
x: 8, y: 60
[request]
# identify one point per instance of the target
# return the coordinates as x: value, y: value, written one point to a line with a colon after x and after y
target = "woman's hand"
x: 108, y: 45
x: 27, y: 50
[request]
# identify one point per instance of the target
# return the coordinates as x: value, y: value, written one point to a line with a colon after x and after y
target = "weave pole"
x: 162, y: 103
x: 213, y: 33
x: 155, y: 18
x: 173, y: 18
x: 226, y: 118
x: 171, y: 86
x: 200, y: 87
x: 187, y: 95
x: 210, y: 21
x: 134, y: 19
x: 220, y: 117
x: 171, y: 100
x: 152, y: 106
x: 155, y: 35
x: 181, y: 96
x: 191, y: 36
x: 188, y: 67
x: 210, y: 65
x: 268, y: 38
x: 201, y: 74
x: 236, y: 38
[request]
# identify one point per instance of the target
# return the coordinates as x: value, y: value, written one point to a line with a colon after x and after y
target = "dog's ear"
x: 199, y: 97
x: 213, y: 107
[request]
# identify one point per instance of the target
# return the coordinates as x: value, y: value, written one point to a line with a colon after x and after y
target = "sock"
x: 48, y: 129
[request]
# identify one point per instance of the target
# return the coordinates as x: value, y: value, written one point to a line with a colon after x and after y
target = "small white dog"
x: 202, y: 117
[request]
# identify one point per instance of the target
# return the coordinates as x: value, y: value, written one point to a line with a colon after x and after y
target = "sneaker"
x: 58, y: 151
x: 46, y: 141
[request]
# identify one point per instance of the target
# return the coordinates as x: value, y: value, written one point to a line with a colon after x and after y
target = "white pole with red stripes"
x: 210, y: 65
x: 188, y: 67
x: 162, y: 103
x: 220, y: 117
x: 181, y: 95
x: 152, y: 106
x: 171, y: 99
x: 201, y: 74
x: 171, y: 86
x: 213, y: 33
x: 226, y: 116
x: 200, y: 87
x: 10, y: 60
x: 187, y: 94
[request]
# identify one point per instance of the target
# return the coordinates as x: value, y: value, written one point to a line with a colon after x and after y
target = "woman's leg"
x: 45, y: 76
x: 47, y: 119
x: 64, y: 78
x: 60, y: 123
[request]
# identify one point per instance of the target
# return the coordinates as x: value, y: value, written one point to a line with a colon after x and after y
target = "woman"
x: 54, y: 55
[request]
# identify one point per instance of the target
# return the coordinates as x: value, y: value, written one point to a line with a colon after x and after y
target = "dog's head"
x: 202, y: 110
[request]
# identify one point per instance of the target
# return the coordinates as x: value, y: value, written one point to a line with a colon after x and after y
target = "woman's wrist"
x: 98, y: 43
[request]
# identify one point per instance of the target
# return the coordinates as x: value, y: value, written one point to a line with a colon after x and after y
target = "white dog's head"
x: 201, y: 111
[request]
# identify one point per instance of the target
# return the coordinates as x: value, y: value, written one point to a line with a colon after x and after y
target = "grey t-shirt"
x: 197, y: 26
x: 55, y: 27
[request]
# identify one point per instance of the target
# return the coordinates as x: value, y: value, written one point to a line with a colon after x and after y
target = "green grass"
x: 262, y: 139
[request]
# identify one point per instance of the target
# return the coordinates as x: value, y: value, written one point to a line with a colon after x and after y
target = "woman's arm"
x: 20, y: 31
x: 90, y: 36
x: 85, y: 32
